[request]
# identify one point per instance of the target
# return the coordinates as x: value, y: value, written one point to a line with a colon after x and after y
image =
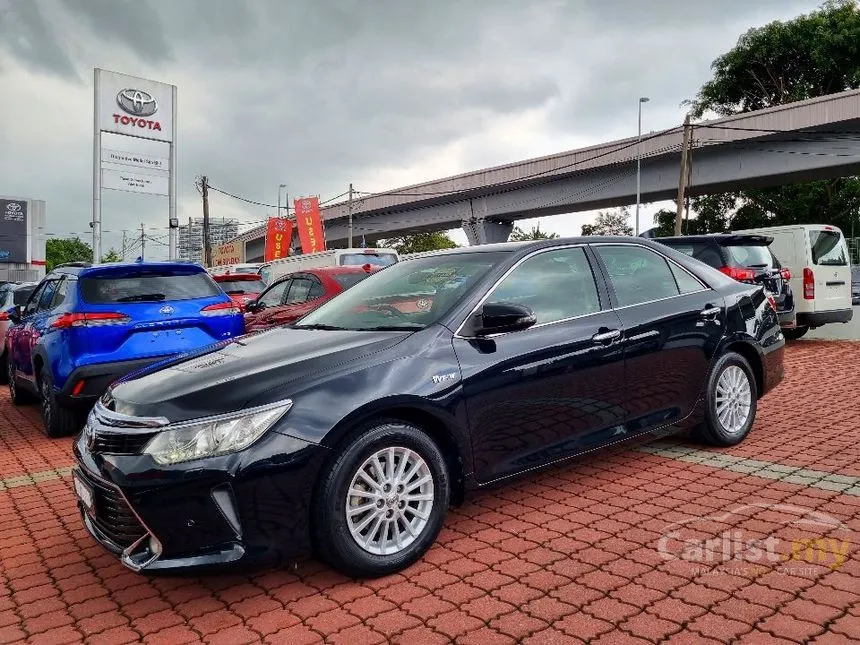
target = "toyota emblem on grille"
x: 137, y: 102
x: 166, y: 310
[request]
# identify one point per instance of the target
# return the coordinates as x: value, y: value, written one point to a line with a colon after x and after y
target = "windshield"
x: 408, y: 295
x: 751, y: 256
x: 827, y: 248
x: 242, y: 286
x: 374, y: 259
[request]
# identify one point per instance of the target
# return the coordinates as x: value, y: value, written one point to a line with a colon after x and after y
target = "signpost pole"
x: 171, y: 193
x: 97, y: 179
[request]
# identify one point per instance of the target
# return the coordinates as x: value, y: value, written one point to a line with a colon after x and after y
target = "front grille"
x: 120, y: 443
x: 113, y: 517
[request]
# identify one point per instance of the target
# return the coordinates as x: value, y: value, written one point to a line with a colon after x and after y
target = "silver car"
x: 12, y: 294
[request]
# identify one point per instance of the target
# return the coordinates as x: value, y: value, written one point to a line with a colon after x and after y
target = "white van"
x: 818, y: 258
x: 335, y: 257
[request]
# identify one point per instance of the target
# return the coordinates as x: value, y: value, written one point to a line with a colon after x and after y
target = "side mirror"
x: 500, y: 317
x: 252, y: 306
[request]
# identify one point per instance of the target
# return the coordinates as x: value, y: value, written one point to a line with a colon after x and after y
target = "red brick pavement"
x: 567, y: 556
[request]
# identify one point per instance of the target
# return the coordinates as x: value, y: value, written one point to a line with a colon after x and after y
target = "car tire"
x: 57, y: 420
x: 793, y: 333
x: 4, y: 368
x: 370, y: 542
x: 18, y: 396
x: 732, y: 401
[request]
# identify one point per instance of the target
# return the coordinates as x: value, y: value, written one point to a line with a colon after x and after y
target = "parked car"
x: 85, y: 326
x: 817, y: 255
x: 241, y: 287
x: 745, y: 258
x: 855, y: 285
x: 292, y: 296
x: 12, y: 294
x: 352, y: 430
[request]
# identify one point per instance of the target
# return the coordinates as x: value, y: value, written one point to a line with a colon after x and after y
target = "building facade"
x: 190, y: 245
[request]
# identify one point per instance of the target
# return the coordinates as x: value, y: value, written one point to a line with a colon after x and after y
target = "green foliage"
x: 519, y: 235
x: 60, y: 251
x: 812, y: 55
x: 610, y: 223
x: 112, y: 256
x: 419, y: 242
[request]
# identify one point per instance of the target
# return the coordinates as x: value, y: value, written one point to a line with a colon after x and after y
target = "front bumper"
x: 248, y: 507
x: 96, y: 379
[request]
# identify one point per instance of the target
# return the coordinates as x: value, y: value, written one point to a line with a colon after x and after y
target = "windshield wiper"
x: 143, y: 297
x: 319, y: 326
x: 414, y: 327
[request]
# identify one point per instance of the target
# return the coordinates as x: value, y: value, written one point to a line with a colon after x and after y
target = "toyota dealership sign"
x: 135, y: 106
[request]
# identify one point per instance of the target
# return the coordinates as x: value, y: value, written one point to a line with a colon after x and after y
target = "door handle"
x: 607, y: 337
x: 709, y: 312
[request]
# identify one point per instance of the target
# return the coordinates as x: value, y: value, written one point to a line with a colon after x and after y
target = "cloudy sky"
x: 315, y: 94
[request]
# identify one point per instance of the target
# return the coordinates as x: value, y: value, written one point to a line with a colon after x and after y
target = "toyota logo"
x: 137, y: 102
x: 13, y: 207
x: 166, y: 310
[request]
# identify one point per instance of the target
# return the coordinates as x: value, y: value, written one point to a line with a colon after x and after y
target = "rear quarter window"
x: 147, y: 287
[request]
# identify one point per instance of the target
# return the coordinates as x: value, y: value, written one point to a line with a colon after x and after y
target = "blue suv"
x: 86, y: 326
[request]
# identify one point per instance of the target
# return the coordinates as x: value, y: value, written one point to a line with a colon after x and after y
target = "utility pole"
x: 207, y: 246
x: 349, y: 221
x: 142, y: 242
x: 123, y: 245
x: 642, y: 99
x: 682, y: 182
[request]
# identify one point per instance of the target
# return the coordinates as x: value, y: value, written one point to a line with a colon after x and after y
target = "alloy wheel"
x: 389, y: 501
x: 734, y: 399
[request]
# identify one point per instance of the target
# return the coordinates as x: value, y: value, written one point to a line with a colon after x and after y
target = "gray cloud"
x: 319, y: 93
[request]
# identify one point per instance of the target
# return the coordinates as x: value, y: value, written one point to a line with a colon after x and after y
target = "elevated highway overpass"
x: 813, y: 139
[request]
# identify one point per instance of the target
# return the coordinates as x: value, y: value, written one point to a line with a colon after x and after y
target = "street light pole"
x: 281, y: 187
x: 642, y: 99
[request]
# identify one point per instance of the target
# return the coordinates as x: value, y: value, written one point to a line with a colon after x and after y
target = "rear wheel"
x: 793, y: 333
x: 58, y: 421
x: 382, y: 502
x: 732, y: 401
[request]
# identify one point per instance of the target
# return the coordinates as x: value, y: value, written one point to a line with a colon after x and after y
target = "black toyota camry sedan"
x: 350, y: 432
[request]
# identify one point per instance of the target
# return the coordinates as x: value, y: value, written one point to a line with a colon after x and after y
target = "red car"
x: 241, y: 287
x: 296, y: 294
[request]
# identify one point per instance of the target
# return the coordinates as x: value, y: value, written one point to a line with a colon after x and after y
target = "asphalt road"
x: 838, y: 331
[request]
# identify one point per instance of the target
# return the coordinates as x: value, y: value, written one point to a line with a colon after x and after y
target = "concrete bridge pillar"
x: 486, y: 231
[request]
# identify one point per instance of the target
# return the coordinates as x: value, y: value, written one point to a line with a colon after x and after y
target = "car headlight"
x: 214, y: 436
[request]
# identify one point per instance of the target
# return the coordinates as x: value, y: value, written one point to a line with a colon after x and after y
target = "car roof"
x: 532, y: 245
x: 732, y: 239
x: 82, y: 268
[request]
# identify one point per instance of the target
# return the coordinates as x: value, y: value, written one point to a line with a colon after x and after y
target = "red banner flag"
x: 309, y: 221
x: 279, y: 234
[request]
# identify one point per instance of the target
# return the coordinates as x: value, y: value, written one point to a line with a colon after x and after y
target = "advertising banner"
x: 230, y: 253
x: 14, y: 228
x: 309, y: 221
x: 279, y: 233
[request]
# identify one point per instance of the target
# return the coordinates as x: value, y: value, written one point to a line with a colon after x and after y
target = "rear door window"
x: 299, y: 291
x: 827, y: 248
x: 150, y: 286
x: 638, y: 275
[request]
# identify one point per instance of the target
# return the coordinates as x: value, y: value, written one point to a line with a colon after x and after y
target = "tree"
x: 432, y: 241
x: 610, y: 223
x: 519, y: 235
x: 111, y: 256
x: 812, y: 55
x: 60, y: 251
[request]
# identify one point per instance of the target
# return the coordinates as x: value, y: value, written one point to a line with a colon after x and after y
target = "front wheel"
x: 58, y: 421
x: 732, y: 401
x: 793, y: 333
x: 382, y: 502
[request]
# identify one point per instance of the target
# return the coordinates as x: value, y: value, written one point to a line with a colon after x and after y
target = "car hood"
x: 227, y: 376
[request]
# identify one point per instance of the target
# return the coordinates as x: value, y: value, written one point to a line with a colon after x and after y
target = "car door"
x: 554, y: 389
x: 270, y: 300
x: 672, y: 326
x: 21, y: 334
x: 37, y: 325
